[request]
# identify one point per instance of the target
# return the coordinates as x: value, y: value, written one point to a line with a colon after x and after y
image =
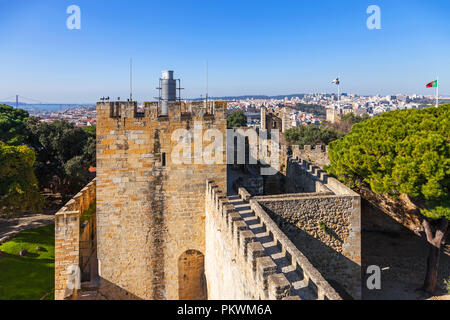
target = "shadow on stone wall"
x: 112, y: 291
x: 191, y: 276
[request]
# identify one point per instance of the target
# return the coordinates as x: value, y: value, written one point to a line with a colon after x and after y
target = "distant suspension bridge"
x: 22, y: 98
x: 17, y: 100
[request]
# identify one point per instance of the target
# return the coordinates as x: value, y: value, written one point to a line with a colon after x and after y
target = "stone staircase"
x: 299, y: 286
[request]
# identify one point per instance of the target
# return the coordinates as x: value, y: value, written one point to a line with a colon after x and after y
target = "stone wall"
x: 150, y: 209
x: 387, y: 214
x: 231, y: 268
x: 324, y: 225
x: 67, y: 236
x: 257, y: 158
x: 381, y: 212
x: 317, y: 155
x: 88, y: 249
x: 299, y: 180
x: 328, y: 247
x: 237, y: 266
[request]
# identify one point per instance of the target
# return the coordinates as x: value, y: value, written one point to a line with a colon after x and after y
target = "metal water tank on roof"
x: 168, y: 91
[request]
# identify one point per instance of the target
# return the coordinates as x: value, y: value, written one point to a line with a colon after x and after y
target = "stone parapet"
x: 253, y: 274
x: 312, y: 276
x: 67, y: 237
x: 324, y: 223
x: 317, y: 154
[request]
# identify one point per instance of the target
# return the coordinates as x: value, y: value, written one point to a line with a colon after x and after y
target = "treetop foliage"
x: 315, y: 109
x: 64, y: 154
x: 36, y: 155
x: 346, y: 122
x: 18, y: 185
x: 405, y: 151
x: 12, y: 125
x: 310, y: 135
x: 236, y: 119
x: 353, y: 118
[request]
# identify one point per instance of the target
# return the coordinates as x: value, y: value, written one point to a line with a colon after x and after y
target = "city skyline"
x: 246, y: 97
x: 252, y: 48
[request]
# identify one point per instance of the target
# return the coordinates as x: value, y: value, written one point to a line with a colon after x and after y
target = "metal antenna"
x: 131, y: 79
x: 207, y: 83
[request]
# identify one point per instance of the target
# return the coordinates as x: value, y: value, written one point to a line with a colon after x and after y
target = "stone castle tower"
x: 150, y: 209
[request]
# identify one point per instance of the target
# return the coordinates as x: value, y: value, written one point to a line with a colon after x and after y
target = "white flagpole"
x: 437, y: 92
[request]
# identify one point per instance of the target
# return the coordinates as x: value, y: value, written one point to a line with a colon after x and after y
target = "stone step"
x: 299, y: 287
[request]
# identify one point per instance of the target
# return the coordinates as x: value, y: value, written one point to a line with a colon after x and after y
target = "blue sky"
x: 253, y: 47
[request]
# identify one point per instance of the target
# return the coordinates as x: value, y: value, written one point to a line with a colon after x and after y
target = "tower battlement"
x: 150, y: 208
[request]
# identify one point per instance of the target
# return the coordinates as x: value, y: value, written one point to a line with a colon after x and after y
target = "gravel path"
x: 9, y: 228
x: 402, y: 259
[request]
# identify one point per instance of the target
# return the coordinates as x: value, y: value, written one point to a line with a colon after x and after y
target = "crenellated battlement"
x: 311, y: 275
x: 151, y: 111
x: 317, y: 154
x: 67, y: 236
x: 322, y: 217
x: 253, y: 272
x: 258, y: 277
x: 150, y: 208
x: 306, y: 172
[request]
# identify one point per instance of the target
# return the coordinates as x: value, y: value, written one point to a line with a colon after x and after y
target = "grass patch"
x: 30, y: 277
x: 323, y: 227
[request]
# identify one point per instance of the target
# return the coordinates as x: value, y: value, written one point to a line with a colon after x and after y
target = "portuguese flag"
x: 432, y: 84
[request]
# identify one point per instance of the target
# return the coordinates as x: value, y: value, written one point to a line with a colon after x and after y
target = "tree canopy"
x: 236, y: 119
x: 353, y: 118
x: 64, y: 154
x: 12, y: 125
x: 398, y: 152
x: 346, y: 122
x: 18, y: 185
x: 310, y: 135
x: 315, y: 109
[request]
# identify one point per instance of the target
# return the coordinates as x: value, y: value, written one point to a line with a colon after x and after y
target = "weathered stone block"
x: 279, y: 287
x: 265, y: 267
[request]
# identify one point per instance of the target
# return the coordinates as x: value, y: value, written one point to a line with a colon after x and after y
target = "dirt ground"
x: 10, y: 227
x: 402, y: 258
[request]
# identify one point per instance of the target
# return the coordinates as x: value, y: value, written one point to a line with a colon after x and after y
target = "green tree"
x: 90, y: 129
x: 12, y: 125
x: 18, y: 185
x: 236, y: 119
x: 310, y: 135
x: 353, y: 118
x: 403, y: 152
x: 315, y: 109
x: 64, y: 154
x: 347, y: 121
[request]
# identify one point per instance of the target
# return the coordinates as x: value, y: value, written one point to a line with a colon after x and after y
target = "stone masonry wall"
x: 150, y: 210
x: 325, y: 226
x: 298, y: 180
x: 237, y: 266
x: 320, y: 227
x: 229, y: 273
x: 67, y: 236
x: 317, y: 155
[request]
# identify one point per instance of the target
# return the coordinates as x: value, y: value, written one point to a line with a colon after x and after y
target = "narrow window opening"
x: 163, y: 159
